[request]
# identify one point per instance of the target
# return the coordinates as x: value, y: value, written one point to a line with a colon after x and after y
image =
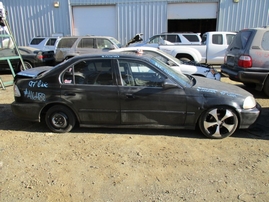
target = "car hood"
x: 213, y: 87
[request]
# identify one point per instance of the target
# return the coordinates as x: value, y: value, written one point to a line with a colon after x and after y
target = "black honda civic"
x: 125, y: 90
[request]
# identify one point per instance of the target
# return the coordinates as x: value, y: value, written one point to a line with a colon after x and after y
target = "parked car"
x: 31, y: 57
x: 193, y: 69
x: 77, y: 45
x: 127, y: 90
x: 246, y: 59
x: 172, y: 39
x: 44, y: 43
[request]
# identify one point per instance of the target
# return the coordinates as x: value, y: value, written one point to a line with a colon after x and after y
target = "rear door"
x: 144, y: 101
x: 90, y: 88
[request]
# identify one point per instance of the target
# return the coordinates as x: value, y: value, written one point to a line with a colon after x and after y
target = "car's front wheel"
x: 219, y: 122
x: 60, y: 119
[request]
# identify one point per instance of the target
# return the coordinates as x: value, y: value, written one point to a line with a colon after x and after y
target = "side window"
x: 86, y: 43
x: 217, y: 39
x: 51, y: 42
x: 135, y: 73
x: 265, y: 41
x: 173, y: 38
x: 89, y: 72
x: 66, y: 42
x: 192, y: 38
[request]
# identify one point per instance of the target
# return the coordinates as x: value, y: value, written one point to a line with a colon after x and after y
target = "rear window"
x: 66, y: 42
x: 36, y: 41
x: 192, y: 38
x: 240, y: 40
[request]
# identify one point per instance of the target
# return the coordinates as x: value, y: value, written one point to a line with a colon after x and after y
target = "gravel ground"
x: 130, y: 165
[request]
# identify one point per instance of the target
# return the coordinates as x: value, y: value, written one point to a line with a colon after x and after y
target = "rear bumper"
x: 245, y: 76
x: 26, y: 111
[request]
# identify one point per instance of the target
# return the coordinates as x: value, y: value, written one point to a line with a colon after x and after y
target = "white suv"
x: 171, y: 39
x: 44, y: 43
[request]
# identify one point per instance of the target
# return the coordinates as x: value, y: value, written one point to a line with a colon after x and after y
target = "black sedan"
x: 123, y: 90
x: 31, y: 57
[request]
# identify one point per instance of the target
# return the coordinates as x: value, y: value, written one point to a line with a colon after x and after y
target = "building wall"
x: 244, y: 14
x: 29, y: 18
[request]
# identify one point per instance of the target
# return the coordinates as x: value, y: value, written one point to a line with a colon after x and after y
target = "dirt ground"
x: 111, y: 165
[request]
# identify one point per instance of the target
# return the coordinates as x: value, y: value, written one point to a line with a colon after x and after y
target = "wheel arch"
x: 234, y: 108
x: 48, y: 106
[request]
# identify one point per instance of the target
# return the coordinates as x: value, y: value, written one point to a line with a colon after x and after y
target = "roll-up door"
x: 94, y: 20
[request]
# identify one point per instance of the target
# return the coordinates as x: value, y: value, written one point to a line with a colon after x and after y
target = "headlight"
x: 249, y: 102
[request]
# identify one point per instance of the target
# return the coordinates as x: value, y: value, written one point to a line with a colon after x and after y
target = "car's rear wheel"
x: 219, y: 122
x: 60, y: 119
x: 27, y: 65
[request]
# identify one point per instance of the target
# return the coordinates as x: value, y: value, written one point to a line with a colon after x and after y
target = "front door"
x: 144, y: 101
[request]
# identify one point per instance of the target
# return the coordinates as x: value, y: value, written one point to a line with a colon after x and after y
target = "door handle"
x: 130, y: 96
x: 69, y: 94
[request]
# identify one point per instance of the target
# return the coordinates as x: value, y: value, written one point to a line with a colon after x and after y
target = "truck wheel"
x: 185, y: 59
x: 266, y: 87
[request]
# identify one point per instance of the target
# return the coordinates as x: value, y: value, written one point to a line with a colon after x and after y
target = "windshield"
x: 176, y: 75
x: 115, y: 41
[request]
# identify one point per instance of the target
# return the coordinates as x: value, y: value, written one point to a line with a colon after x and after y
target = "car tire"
x: 184, y: 59
x: 27, y: 65
x: 218, y: 123
x: 60, y: 119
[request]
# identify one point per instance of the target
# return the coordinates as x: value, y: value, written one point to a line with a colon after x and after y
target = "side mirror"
x: 169, y: 84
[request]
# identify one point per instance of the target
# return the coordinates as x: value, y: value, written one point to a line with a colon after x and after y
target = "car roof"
x: 86, y: 36
x: 135, y: 48
x: 114, y: 55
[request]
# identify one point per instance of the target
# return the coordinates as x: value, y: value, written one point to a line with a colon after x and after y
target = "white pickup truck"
x: 211, y: 50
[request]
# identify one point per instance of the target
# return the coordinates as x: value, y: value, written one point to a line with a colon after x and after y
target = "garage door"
x: 94, y: 20
x: 192, y: 11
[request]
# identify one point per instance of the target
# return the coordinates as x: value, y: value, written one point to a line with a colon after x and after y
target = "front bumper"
x: 26, y: 111
x: 249, y: 116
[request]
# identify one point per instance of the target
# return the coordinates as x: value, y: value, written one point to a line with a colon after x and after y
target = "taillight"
x: 40, y: 57
x: 245, y: 61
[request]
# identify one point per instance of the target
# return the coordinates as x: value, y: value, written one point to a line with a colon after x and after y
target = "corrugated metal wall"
x: 244, y: 14
x: 147, y: 18
x: 29, y: 18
